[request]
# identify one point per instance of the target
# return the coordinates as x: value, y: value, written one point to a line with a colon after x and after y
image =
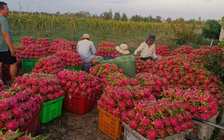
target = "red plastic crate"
x: 33, y: 124
x: 79, y: 104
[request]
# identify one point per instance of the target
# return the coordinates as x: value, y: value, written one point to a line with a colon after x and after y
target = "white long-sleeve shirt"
x: 146, y: 51
x: 86, y: 50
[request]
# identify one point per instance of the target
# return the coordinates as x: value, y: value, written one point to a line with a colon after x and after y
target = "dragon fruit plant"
x: 16, y: 135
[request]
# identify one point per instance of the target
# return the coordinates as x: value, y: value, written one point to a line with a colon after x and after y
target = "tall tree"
x: 95, y: 16
x: 136, y: 18
x: 211, y: 30
x: 101, y: 16
x: 146, y: 19
x: 151, y: 19
x: 192, y: 21
x: 57, y: 13
x: 158, y: 18
x: 110, y: 14
x: 107, y: 15
x: 181, y: 20
x: 168, y: 20
x: 83, y: 14
x: 124, y: 17
x: 199, y: 21
x: 117, y: 16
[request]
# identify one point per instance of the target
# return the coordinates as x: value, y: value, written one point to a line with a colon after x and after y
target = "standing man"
x: 147, y: 49
x: 7, y: 50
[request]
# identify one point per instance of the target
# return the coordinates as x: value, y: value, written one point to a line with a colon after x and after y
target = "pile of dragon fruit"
x: 159, y: 102
x: 106, y: 49
x: 49, y: 65
x: 163, y: 50
x: 61, y: 44
x: 31, y: 51
x: 27, y: 41
x: 165, y: 97
x: 69, y: 58
x: 78, y: 83
x: 142, y: 66
x: 45, y: 42
x: 18, y: 107
x: 183, y: 50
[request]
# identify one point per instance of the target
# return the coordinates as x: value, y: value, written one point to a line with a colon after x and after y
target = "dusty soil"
x: 71, y: 126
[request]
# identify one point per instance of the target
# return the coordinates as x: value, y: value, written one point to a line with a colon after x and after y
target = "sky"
x: 187, y: 9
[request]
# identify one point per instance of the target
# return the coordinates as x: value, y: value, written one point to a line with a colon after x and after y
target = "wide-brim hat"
x: 85, y: 36
x: 151, y: 38
x: 123, y: 48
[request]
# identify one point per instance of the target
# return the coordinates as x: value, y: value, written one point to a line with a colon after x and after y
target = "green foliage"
x: 211, y: 29
x: 201, y: 41
x: 223, y: 21
x: 158, y: 18
x: 168, y: 20
x: 214, y: 64
x: 117, y: 16
x: 221, y: 44
x: 83, y: 14
x: 14, y: 135
x: 107, y: 15
x: 145, y: 19
x: 136, y: 18
x: 192, y: 21
x: 124, y: 17
x: 151, y: 19
x: 183, y: 33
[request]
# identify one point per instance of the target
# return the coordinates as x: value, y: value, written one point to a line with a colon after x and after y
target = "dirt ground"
x: 71, y: 126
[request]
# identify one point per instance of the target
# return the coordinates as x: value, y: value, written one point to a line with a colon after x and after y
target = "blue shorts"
x: 7, y: 58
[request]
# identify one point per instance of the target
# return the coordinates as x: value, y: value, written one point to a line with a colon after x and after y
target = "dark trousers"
x: 147, y: 58
x: 86, y: 67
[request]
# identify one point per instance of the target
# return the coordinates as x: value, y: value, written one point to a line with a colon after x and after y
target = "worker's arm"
x: 77, y: 47
x: 138, y: 49
x: 8, y: 40
x: 154, y: 51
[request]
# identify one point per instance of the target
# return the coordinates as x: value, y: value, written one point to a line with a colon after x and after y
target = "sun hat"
x: 123, y: 48
x: 85, y: 36
x: 151, y: 38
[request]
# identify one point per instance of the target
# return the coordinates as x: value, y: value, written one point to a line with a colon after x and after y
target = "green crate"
x: 28, y: 64
x: 51, y: 110
x: 76, y: 68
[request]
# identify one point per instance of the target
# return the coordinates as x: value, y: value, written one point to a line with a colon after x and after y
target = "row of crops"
x: 52, y: 25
